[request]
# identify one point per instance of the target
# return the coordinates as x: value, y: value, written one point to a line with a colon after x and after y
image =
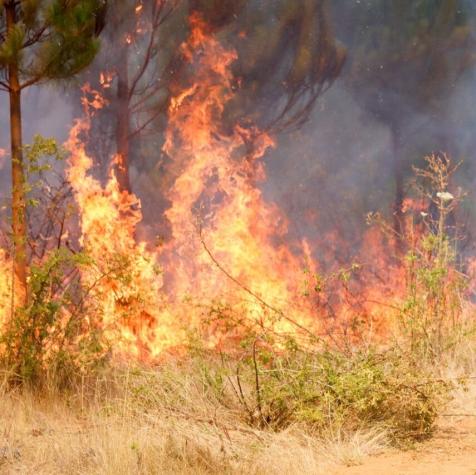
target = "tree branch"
x: 249, y: 291
x: 35, y: 38
x: 145, y: 124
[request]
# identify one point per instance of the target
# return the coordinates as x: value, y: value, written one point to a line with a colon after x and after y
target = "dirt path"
x: 451, y: 452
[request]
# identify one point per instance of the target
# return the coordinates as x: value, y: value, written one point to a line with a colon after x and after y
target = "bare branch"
x: 249, y: 291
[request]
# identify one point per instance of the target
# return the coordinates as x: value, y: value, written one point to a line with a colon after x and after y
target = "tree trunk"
x: 18, y: 178
x: 123, y: 123
x: 398, y: 219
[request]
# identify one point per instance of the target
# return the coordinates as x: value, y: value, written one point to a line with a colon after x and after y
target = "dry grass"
x: 461, y: 368
x: 126, y: 431
x: 171, y: 420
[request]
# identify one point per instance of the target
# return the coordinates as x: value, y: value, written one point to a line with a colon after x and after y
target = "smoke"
x: 46, y: 111
x: 340, y: 165
x: 337, y: 173
x: 331, y: 171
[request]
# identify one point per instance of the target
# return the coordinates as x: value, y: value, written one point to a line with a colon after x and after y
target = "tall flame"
x: 123, y: 278
x: 227, y: 241
x: 228, y: 247
x: 229, y: 252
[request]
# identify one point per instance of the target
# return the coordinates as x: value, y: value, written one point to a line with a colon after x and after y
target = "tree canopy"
x: 51, y: 39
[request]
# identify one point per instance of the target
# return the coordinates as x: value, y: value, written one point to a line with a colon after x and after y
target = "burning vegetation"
x: 279, y: 328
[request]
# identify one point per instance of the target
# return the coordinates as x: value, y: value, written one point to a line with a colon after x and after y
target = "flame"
x: 229, y: 257
x: 91, y: 99
x: 227, y: 241
x: 124, y: 281
x: 3, y: 154
x: 106, y: 78
x: 5, y: 288
x: 412, y: 204
x: 228, y: 248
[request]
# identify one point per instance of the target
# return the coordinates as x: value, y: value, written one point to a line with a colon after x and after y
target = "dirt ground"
x: 452, y: 451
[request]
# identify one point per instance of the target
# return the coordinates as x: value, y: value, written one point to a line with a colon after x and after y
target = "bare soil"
x: 452, y: 451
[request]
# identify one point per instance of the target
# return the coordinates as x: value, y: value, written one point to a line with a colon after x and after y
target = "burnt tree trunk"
x: 398, y: 174
x: 19, y: 227
x: 123, y: 123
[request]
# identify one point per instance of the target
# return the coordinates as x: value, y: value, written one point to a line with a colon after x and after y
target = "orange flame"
x: 220, y: 222
x: 5, y: 288
x: 229, y: 254
x: 124, y: 280
x: 227, y: 242
x: 106, y: 78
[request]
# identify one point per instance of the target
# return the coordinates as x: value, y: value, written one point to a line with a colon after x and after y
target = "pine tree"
x: 40, y: 41
x: 407, y: 56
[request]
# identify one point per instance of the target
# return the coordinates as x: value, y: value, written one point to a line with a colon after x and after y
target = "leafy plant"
x: 50, y: 340
x: 333, y: 390
x: 433, y: 315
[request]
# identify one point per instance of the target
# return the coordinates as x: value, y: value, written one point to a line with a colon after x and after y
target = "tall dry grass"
x: 168, y: 421
x: 104, y: 428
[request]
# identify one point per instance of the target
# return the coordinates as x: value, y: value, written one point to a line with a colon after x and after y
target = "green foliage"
x: 432, y: 314
x: 39, y: 157
x: 74, y: 44
x: 49, y: 341
x: 325, y: 391
x: 11, y: 47
x: 349, y: 392
x: 40, y: 148
x: 51, y: 39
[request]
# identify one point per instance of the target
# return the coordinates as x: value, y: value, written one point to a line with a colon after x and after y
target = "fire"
x: 411, y: 204
x: 229, y: 256
x: 106, y: 78
x: 229, y: 247
x: 5, y: 288
x: 3, y: 154
x: 91, y: 99
x: 227, y: 241
x: 124, y: 280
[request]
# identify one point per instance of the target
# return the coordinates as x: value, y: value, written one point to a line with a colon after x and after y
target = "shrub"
x: 432, y: 315
x: 328, y: 392
x: 50, y: 341
x: 345, y: 391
